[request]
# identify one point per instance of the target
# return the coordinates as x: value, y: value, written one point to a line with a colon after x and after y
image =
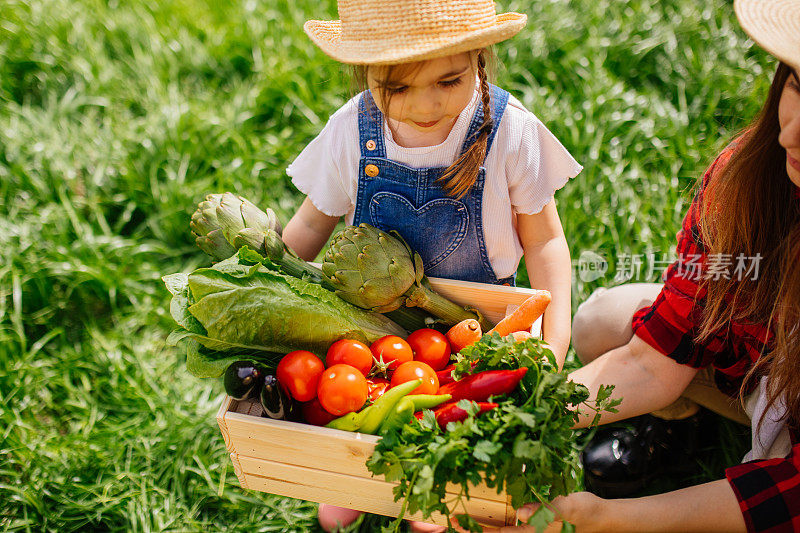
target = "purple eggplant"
x: 277, y: 404
x: 243, y: 379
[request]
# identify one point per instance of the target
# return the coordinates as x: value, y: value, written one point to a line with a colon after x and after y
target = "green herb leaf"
x: 542, y: 518
x: 484, y: 450
x: 467, y: 522
x: 525, y: 447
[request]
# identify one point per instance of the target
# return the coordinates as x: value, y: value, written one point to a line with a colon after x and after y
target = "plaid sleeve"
x: 769, y: 493
x: 669, y: 324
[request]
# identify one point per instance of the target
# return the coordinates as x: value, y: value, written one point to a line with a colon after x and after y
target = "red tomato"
x: 351, y: 353
x: 342, y: 389
x: 298, y: 372
x: 430, y: 347
x: 315, y: 414
x: 417, y: 370
x: 376, y: 387
x: 392, y: 349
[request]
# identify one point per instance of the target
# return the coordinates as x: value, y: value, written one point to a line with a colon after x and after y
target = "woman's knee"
x: 603, y: 321
x: 589, y: 328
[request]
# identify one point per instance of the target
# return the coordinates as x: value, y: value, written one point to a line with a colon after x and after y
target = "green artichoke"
x: 207, y: 230
x: 379, y: 271
x: 223, y: 223
x: 222, y: 219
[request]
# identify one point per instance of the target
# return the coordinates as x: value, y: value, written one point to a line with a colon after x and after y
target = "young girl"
x: 432, y: 150
x: 744, y: 327
x: 457, y: 166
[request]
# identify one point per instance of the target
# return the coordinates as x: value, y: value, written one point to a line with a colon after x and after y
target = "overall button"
x: 370, y: 144
x: 371, y: 170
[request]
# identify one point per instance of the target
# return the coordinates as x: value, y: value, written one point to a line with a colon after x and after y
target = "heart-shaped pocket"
x: 434, y: 230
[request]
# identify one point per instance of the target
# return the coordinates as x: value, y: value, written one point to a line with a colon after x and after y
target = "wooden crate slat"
x: 363, y: 494
x: 223, y: 410
x: 296, y: 434
x: 310, y: 446
x: 334, y: 455
x: 491, y: 300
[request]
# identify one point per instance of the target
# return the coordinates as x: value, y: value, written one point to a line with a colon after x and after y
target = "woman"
x: 738, y: 323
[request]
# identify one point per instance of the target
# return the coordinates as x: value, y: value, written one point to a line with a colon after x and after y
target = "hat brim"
x: 774, y: 25
x: 327, y: 34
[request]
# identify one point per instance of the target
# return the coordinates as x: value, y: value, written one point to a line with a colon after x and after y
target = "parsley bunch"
x: 525, y: 447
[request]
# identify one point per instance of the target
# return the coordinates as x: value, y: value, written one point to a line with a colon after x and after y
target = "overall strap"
x: 497, y: 101
x: 370, y: 127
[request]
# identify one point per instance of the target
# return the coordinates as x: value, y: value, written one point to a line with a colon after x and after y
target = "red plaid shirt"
x: 769, y: 490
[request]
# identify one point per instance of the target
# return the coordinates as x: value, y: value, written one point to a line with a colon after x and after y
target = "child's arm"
x: 308, y: 230
x: 548, y: 263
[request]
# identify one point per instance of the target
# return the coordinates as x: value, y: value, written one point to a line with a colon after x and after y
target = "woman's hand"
x: 581, y: 509
x: 710, y: 507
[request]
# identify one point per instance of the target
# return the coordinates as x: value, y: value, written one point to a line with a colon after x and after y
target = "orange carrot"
x: 520, y: 336
x: 525, y: 315
x: 463, y: 334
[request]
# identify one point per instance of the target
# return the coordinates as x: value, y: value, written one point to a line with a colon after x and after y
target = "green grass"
x: 117, y: 117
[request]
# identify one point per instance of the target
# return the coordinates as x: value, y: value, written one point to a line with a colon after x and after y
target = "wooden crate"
x: 328, y: 465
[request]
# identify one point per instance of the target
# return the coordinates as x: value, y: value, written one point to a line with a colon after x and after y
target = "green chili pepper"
x: 375, y: 414
x: 349, y: 422
x: 427, y: 401
x: 368, y: 420
x: 402, y: 413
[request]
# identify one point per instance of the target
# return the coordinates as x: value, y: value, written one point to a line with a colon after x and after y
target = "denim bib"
x: 446, y: 232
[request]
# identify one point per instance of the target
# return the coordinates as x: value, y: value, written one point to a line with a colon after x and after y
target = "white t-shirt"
x: 524, y: 168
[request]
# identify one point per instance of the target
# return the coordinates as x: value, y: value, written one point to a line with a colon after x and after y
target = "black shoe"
x: 619, y: 462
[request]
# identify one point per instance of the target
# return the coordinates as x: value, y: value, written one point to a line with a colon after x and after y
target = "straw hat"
x: 402, y: 31
x: 773, y: 24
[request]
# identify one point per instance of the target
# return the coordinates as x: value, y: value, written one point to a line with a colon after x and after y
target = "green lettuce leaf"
x: 212, y: 357
x: 204, y: 363
x: 178, y: 286
x: 240, y: 309
x: 250, y: 306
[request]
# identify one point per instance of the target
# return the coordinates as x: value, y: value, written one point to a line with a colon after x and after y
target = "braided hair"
x: 462, y: 174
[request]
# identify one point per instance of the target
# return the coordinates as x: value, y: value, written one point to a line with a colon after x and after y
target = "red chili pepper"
x: 479, y: 387
x: 445, y: 375
x: 451, y: 412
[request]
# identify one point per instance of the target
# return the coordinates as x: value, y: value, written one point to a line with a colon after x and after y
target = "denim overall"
x: 447, y: 233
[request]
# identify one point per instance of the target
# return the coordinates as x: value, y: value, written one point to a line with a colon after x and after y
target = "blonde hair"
x: 461, y: 175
